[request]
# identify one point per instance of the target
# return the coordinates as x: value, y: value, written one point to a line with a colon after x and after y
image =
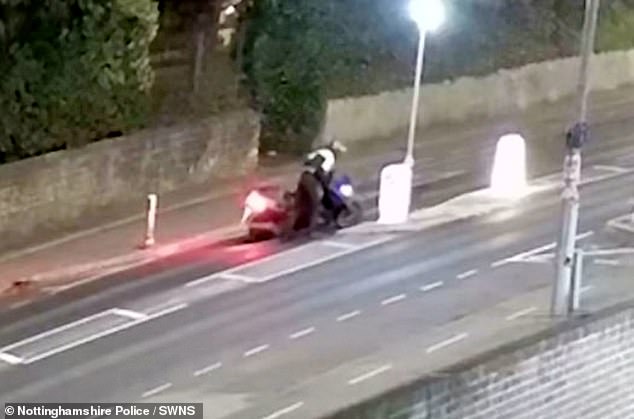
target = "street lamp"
x: 428, y: 15
x: 396, y: 179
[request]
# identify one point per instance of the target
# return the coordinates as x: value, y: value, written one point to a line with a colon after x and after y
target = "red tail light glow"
x: 256, y: 202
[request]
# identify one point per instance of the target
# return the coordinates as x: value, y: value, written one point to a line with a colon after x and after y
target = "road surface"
x: 238, y: 341
x: 291, y: 337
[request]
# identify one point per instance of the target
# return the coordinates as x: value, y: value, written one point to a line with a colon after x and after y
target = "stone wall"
x: 52, y: 191
x: 507, y: 91
x: 583, y: 370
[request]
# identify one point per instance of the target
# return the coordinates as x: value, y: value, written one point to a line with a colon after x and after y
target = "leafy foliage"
x: 284, y: 63
x: 299, y: 52
x: 72, y: 71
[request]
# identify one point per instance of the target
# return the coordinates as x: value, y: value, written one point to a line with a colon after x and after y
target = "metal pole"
x: 572, y: 169
x: 409, y: 157
x: 575, y: 294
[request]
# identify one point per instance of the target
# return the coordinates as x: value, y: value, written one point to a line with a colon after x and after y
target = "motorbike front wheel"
x: 350, y: 216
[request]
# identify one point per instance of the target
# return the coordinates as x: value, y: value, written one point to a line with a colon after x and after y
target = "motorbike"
x: 268, y: 213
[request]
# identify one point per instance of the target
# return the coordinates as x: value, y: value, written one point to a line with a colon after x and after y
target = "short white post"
x: 395, y: 193
x: 508, y: 177
x: 152, y: 202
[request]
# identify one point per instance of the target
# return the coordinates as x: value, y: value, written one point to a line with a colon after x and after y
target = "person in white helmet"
x: 314, y: 183
x: 324, y: 160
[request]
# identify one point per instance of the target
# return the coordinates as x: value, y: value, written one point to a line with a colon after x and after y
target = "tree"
x: 72, y: 71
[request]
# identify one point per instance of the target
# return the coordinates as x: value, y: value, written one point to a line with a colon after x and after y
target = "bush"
x: 73, y: 72
x: 283, y: 62
x: 300, y: 52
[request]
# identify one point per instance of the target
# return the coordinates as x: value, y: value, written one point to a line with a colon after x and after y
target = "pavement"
x: 194, y: 218
x: 310, y: 329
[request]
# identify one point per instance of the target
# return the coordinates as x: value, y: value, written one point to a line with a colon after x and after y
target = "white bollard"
x: 152, y: 202
x: 508, y: 177
x: 395, y: 193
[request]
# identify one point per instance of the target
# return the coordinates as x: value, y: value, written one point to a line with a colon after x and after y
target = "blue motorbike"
x: 345, y: 210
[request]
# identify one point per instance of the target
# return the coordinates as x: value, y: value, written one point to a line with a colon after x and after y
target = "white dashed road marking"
x: 370, y: 374
x: 467, y: 274
x: 302, y: 333
x: 607, y: 262
x: 157, y: 390
x: 208, y: 369
x: 393, y: 300
x: 447, y: 342
x: 256, y: 350
x: 134, y: 315
x: 348, y: 316
x: 431, y: 286
x: 284, y: 411
x: 521, y: 313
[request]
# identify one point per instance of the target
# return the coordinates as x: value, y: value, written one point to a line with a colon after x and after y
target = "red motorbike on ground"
x: 270, y: 212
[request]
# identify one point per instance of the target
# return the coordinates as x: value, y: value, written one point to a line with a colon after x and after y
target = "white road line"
x: 56, y: 330
x: 10, y: 358
x: 467, y: 274
x: 586, y: 289
x: 208, y: 369
x: 134, y: 315
x: 319, y: 261
x: 156, y: 390
x: 370, y: 374
x: 530, y: 253
x: 236, y: 277
x: 201, y: 281
x: 167, y: 310
x: 302, y: 333
x: 284, y: 411
x: 614, y: 169
x: 432, y: 286
x: 499, y: 263
x: 256, y: 350
x: 93, y: 337
x: 585, y: 235
x: 338, y: 244
x: 447, y: 342
x: 220, y: 275
x: 622, y: 224
x: 607, y: 262
x: 610, y: 252
x: 394, y: 299
x: 521, y: 313
x: 348, y: 316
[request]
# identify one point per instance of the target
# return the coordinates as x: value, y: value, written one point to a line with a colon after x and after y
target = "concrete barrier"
x: 507, y: 91
x: 582, y: 369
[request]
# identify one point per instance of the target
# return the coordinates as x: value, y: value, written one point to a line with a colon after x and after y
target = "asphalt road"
x: 249, y: 349
x: 239, y: 346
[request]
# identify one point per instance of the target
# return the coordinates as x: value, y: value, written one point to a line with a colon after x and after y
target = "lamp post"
x: 396, y: 179
x: 572, y: 171
x: 428, y: 15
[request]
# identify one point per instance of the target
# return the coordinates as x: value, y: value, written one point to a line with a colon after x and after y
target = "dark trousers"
x: 308, y: 201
